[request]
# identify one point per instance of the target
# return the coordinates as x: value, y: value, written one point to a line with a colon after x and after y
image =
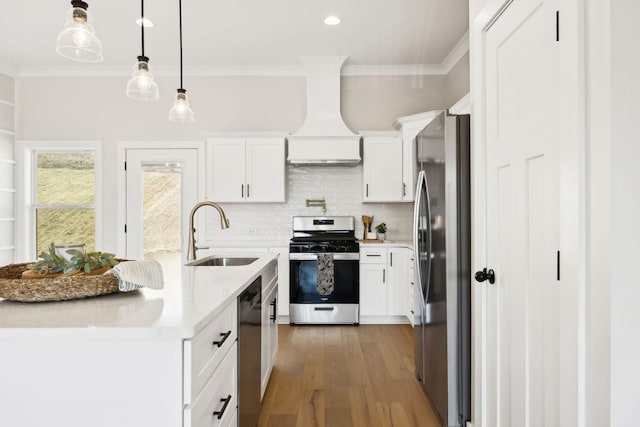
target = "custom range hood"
x: 323, y: 138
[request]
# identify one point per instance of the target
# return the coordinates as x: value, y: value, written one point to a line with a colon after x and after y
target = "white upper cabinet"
x: 382, y: 168
x: 248, y: 169
x: 410, y: 127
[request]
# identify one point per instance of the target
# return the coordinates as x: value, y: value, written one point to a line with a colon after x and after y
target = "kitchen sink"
x: 220, y: 261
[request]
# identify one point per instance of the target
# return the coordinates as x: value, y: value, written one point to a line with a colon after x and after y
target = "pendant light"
x: 77, y: 40
x: 141, y: 86
x: 181, y: 112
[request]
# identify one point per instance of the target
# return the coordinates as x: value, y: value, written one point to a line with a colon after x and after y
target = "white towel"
x: 133, y: 275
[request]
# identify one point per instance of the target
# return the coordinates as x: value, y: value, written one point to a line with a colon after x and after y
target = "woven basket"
x: 61, y: 288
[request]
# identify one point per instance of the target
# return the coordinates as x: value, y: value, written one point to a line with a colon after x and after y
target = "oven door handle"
x: 351, y: 256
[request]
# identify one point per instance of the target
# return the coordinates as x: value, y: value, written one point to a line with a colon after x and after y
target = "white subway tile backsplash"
x: 341, y: 187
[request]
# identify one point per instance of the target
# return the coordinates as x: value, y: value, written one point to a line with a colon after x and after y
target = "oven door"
x: 304, y: 279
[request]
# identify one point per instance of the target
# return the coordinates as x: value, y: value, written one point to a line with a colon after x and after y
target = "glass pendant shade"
x: 181, y: 112
x: 77, y: 40
x: 141, y: 86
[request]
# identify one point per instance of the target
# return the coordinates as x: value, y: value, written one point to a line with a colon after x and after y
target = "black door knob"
x: 485, y: 274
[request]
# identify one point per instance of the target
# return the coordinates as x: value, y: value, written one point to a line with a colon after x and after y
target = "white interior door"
x: 527, y: 312
x: 162, y: 187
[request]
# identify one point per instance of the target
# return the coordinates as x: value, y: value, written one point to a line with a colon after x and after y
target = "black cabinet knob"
x: 485, y: 274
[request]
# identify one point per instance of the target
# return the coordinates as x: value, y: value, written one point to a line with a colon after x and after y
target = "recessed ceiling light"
x: 147, y: 22
x: 332, y: 20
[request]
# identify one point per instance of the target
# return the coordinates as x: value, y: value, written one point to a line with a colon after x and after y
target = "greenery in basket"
x: 381, y: 228
x: 50, y: 262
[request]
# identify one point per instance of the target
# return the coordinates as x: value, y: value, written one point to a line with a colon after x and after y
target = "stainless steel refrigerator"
x: 441, y: 241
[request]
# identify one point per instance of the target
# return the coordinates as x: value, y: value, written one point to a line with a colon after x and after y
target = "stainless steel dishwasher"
x: 249, y: 346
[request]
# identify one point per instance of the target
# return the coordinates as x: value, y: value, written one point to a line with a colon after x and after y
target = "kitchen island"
x: 144, y: 358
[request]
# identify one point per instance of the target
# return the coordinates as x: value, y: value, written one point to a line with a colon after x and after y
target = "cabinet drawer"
x: 203, y: 353
x: 216, y: 405
x: 373, y: 255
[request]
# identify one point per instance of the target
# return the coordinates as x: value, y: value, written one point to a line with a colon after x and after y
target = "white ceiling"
x: 241, y: 33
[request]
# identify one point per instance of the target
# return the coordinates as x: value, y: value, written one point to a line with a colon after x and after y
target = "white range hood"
x: 323, y: 138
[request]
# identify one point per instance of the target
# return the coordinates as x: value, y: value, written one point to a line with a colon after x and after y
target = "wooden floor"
x: 339, y: 376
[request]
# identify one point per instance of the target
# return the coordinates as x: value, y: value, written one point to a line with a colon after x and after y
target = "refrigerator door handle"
x: 426, y: 254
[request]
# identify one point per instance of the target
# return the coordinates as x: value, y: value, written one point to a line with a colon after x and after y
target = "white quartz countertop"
x: 192, y: 297
x: 390, y: 244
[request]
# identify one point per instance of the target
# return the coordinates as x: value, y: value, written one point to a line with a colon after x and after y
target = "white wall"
x: 598, y: 217
x: 458, y: 81
x: 625, y: 212
x: 96, y: 108
x: 7, y: 170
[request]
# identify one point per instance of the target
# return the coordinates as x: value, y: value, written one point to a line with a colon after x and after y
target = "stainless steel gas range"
x: 324, y: 263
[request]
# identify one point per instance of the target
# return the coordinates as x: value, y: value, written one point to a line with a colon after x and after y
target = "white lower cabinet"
x: 216, y: 405
x: 398, y: 281
x: 203, y: 353
x: 384, y: 284
x: 283, y: 280
x: 411, y: 314
x: 211, y: 372
x: 269, y: 336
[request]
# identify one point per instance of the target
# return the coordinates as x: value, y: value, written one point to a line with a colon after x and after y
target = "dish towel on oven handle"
x: 325, y: 274
x: 134, y: 275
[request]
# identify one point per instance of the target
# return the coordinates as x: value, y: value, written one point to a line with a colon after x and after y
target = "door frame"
x: 577, y: 266
x: 123, y: 146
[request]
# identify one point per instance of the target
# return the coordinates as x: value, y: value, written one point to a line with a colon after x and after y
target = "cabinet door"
x: 398, y: 281
x: 408, y: 171
x: 382, y: 169
x: 411, y: 277
x: 264, y: 345
x: 265, y: 170
x: 227, y: 169
x: 373, y: 289
x: 269, y: 345
x: 273, y: 330
x: 283, y: 279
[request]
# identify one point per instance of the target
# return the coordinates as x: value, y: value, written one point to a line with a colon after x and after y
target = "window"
x: 63, y: 197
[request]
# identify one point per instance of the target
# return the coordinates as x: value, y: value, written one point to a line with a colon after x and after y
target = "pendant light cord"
x: 142, y: 24
x: 180, y: 17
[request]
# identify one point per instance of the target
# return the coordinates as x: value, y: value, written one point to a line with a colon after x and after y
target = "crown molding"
x: 394, y: 70
x: 92, y: 70
x: 208, y: 71
x: 459, y: 50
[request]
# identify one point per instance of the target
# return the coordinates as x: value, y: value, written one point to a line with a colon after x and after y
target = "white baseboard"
x: 383, y: 320
x: 364, y: 320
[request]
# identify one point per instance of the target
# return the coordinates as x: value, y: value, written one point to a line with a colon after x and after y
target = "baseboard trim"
x: 383, y: 320
x: 364, y: 320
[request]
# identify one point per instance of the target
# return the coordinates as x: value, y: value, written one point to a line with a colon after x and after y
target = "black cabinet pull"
x: 404, y: 189
x: 248, y: 191
x: 485, y: 274
x: 220, y: 413
x: 224, y: 338
x: 384, y: 274
x: 367, y: 190
x: 273, y: 316
x: 242, y: 190
x: 391, y: 259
